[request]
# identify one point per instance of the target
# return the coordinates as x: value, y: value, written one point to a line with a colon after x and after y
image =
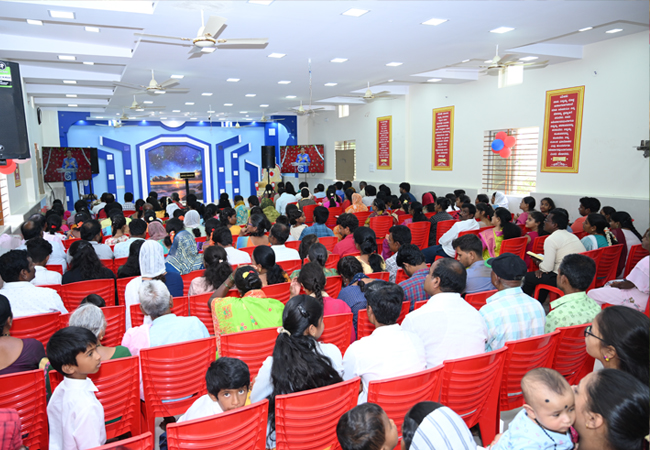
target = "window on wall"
x: 346, y: 167
x: 517, y: 174
x: 4, y: 196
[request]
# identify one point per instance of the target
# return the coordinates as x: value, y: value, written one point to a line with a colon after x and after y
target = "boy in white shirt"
x: 75, y: 415
x: 228, y: 381
x: 40, y: 250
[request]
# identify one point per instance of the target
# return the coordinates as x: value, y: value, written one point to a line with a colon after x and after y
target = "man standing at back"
x: 510, y: 314
x: 448, y: 326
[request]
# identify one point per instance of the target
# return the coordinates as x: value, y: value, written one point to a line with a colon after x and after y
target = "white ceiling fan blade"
x: 177, y: 90
x: 214, y: 26
x: 128, y: 85
x: 539, y: 65
x: 381, y: 93
x: 152, y: 107
x: 195, y: 49
x: 169, y: 82
x: 162, y: 37
x: 245, y: 41
x: 507, y: 58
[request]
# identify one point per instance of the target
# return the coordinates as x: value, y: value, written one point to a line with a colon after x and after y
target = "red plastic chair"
x: 474, y: 232
x: 538, y: 247
x: 141, y: 442
x: 252, y: 347
x: 117, y: 263
x: 380, y: 225
x: 309, y: 214
x: 73, y: 293
x: 40, y: 327
x: 637, y: 253
x: 187, y: 280
x: 470, y: 386
x: 571, y: 357
x: 420, y: 234
x: 401, y: 218
x: 596, y: 255
x: 331, y: 219
x: 293, y: 244
x: 248, y: 250
x: 521, y: 357
x: 116, y: 325
x: 364, y: 327
x: 290, y: 266
x: 329, y: 242
x: 239, y: 429
x: 332, y: 261
x: 109, y: 264
x: 362, y: 216
x: 479, y: 299
x: 172, y: 372
x: 400, y: 276
x: 580, y: 234
x: 25, y: 392
x: 553, y: 292
x: 357, y: 253
x: 515, y: 246
x: 118, y: 384
x: 56, y: 287
x: 429, y: 215
x: 442, y: 227
x: 608, y: 266
x: 333, y: 285
x: 55, y: 268
x: 279, y: 292
x: 179, y: 308
x: 307, y: 420
x: 397, y: 395
x: 379, y: 275
x: 338, y: 328
x: 420, y: 304
x: 121, y: 288
x: 68, y: 242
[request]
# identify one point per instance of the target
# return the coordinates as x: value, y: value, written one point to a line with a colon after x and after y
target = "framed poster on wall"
x: 442, y: 144
x: 562, y: 130
x: 384, y: 142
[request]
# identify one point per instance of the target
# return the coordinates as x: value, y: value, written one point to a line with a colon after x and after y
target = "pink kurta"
x: 636, y: 298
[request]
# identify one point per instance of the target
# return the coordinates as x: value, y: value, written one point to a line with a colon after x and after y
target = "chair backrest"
x: 474, y: 232
x: 109, y: 263
x: 596, y: 255
x: 278, y: 291
x: 199, y: 308
x: 470, y: 386
x: 293, y: 244
x: 338, y: 328
x: 307, y: 420
x: 329, y: 242
x: 397, y: 395
x: 252, y: 347
x: 333, y: 285
x: 521, y: 357
x: 401, y: 218
x: 442, y: 227
x: 55, y: 268
x: 516, y: 246
x: 362, y: 216
x: 380, y: 225
x: 579, y: 234
x: 364, y: 327
x: 75, y: 292
x: 420, y: 304
x: 420, y: 234
x: 331, y: 219
x: 117, y: 263
x: 379, y: 275
x: 68, y: 242
x: 121, y: 288
x: 608, y: 264
x: 553, y: 292
x: 172, y: 372
x: 400, y: 276
x: 56, y: 287
x: 479, y: 299
x: 309, y: 214
x: 25, y: 392
x: 116, y: 325
x: 248, y: 250
x: 239, y: 429
x: 141, y: 442
x: 332, y: 261
x: 429, y: 215
x: 637, y: 253
x: 187, y: 280
x: 571, y: 357
x: 290, y: 266
x: 180, y: 309
x: 40, y: 327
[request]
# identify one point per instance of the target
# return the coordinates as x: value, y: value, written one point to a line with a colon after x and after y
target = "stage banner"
x: 562, y: 130
x: 384, y: 142
x: 442, y: 144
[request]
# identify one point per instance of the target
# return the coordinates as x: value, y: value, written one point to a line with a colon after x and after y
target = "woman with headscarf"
x: 192, y: 222
x: 427, y: 199
x: 357, y: 205
x: 152, y: 267
x: 158, y: 233
x: 432, y: 426
x: 183, y: 256
x: 499, y: 200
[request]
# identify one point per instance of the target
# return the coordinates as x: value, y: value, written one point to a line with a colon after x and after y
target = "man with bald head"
x: 34, y: 228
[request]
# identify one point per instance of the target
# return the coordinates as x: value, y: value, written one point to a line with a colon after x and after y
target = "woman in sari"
x: 242, y: 211
x: 492, y: 238
x: 253, y: 311
x: 357, y: 205
x: 157, y: 233
x: 183, y: 256
x: 379, y: 209
x: 252, y: 234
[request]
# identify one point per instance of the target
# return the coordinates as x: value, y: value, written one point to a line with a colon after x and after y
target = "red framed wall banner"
x: 385, y: 143
x: 562, y: 130
x: 442, y: 144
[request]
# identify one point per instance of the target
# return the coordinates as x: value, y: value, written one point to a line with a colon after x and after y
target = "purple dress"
x: 28, y: 359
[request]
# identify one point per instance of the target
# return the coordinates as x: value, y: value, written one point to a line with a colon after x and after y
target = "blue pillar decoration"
x: 234, y: 166
x: 221, y: 163
x: 126, y: 160
x: 110, y: 171
x: 254, y: 174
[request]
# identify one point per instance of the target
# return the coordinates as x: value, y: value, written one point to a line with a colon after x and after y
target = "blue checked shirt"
x: 320, y: 230
x: 414, y: 288
x: 511, y: 315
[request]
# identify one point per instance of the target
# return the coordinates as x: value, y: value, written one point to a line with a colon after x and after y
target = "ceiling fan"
x: 111, y: 122
x: 135, y: 105
x: 509, y: 69
x: 369, y: 95
x: 154, y: 87
x: 301, y: 111
x: 206, y: 37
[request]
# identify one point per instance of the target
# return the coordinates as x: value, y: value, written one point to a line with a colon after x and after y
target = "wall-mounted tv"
x: 14, y: 143
x: 68, y: 163
x: 302, y: 159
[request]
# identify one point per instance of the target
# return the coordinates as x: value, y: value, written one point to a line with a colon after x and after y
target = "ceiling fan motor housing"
x: 204, y: 41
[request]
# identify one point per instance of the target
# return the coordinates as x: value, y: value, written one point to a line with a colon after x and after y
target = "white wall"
x: 615, y: 118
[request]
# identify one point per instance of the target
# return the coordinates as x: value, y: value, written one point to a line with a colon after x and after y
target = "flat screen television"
x: 302, y: 159
x: 68, y: 163
x: 14, y: 143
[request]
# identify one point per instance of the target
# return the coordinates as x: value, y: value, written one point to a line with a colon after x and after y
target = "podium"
x: 67, y: 173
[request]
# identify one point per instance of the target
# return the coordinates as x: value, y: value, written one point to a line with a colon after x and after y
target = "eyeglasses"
x: 589, y: 333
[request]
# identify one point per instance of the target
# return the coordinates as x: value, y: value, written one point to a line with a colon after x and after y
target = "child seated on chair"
x: 75, y: 415
x: 547, y: 416
x: 366, y: 427
x: 228, y: 381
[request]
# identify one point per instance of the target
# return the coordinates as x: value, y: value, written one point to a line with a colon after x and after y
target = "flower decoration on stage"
x: 502, y: 144
x: 9, y: 168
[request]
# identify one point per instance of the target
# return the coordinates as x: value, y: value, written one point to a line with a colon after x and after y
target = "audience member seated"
x: 223, y: 238
x: 370, y: 193
x: 316, y: 253
x: 253, y: 311
x: 546, y: 205
x: 94, y: 299
x: 300, y: 362
x: 366, y: 427
x: 588, y: 205
x: 297, y: 222
x: 321, y: 214
x: 119, y: 230
x: 598, y: 234
x: 33, y: 228
x: 389, y: 351
x: 527, y: 205
x: 612, y: 411
x: 499, y: 200
x: 115, y: 209
x: 192, y: 222
x: 264, y: 262
x: 398, y: 235
x: 228, y: 219
x: 411, y: 260
x: 346, y: 225
x: 152, y: 267
x: 99, y: 205
x: 91, y: 232
x: 92, y: 318
x: 132, y: 266
x: 277, y: 237
x: 332, y: 198
x: 217, y: 270
x: 618, y: 338
x: 253, y: 234
x: 575, y: 274
x: 85, y: 264
x: 312, y: 280
x: 128, y: 204
x: 448, y: 326
x: 442, y: 203
x: 74, y: 415
x: 354, y: 282
x: 53, y: 224
x: 621, y: 224
x: 445, y: 247
x: 183, y: 256
x: 16, y: 355
x: 80, y: 206
x: 138, y: 232
x: 534, y: 223
x: 305, y: 199
x: 319, y: 191
x: 432, y: 426
x: 379, y: 209
x: 559, y: 244
x: 469, y: 252
x: 365, y: 242
x: 241, y: 211
x: 484, y: 214
x: 405, y: 190
x: 17, y: 272
x: 482, y: 198
x: 40, y: 250
x: 510, y: 314
x: 356, y: 204
x: 503, y: 229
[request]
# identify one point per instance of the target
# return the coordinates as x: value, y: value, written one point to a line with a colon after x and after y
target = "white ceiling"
x: 390, y: 32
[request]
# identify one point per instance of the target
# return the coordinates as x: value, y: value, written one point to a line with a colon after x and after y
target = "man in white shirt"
x: 362, y: 188
x: 91, y: 231
x: 371, y: 193
x: 277, y: 237
x: 319, y: 191
x: 449, y: 327
x: 99, y: 206
x: 223, y: 238
x: 445, y: 247
x: 138, y: 231
x: 559, y: 244
x: 17, y: 271
x: 34, y: 228
x: 40, y: 250
x: 389, y: 351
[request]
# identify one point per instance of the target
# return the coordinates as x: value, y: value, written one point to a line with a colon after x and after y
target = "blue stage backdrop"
x: 166, y: 162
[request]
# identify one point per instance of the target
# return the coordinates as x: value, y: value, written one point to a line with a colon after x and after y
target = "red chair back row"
x: 403, y: 218
x: 442, y: 227
x: 479, y: 299
x: 115, y: 324
x: 474, y: 232
x: 187, y: 280
x: 379, y: 275
x: 278, y: 292
x: 538, y: 248
x: 637, y: 253
x: 335, y: 211
x: 362, y: 217
x: 180, y: 308
x: 515, y: 246
x: 289, y: 266
x: 338, y: 329
x: 329, y: 242
x: 68, y: 242
x: 121, y: 288
x: 55, y: 268
x: 40, y: 327
x: 553, y: 292
x: 608, y: 266
x: 73, y: 293
x: 309, y: 214
x: 252, y: 347
x: 420, y: 234
x: 380, y: 225
x: 25, y: 392
x: 596, y: 255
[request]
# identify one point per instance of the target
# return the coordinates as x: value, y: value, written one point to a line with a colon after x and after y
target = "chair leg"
x: 489, y: 426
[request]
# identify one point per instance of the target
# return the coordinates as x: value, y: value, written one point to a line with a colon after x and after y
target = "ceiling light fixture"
x: 61, y: 14
x: 211, y: 112
x: 434, y: 80
x: 355, y: 12
x: 176, y: 110
x: 614, y: 30
x: 243, y: 112
x: 277, y: 55
x: 208, y: 49
x: 261, y: 2
x: 488, y: 61
x: 264, y: 106
x: 227, y: 104
x: 34, y: 22
x: 67, y: 58
x: 139, y: 109
x: 72, y: 106
x: 178, y: 77
x: 330, y: 84
x: 163, y: 118
x: 148, y: 102
x: 99, y: 117
x: 207, y: 94
x: 69, y: 82
x: 92, y: 29
x: 251, y: 95
x: 338, y: 60
x: 290, y: 96
x: 394, y: 64
x: 390, y: 81
x: 189, y: 103
x: 529, y: 58
x: 284, y: 82
x: 501, y: 30
x: 233, y: 80
x: 71, y: 95
x: 434, y: 21
x: 465, y: 60
x: 89, y: 63
x: 586, y: 29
